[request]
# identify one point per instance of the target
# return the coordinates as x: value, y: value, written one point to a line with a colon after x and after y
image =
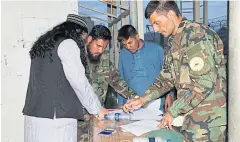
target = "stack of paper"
x: 148, y: 119
x: 140, y: 127
x: 151, y: 112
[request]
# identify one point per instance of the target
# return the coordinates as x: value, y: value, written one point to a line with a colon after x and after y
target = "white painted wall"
x: 234, y: 72
x: 22, y: 23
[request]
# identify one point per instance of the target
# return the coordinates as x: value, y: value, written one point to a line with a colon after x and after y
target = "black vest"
x: 49, y: 91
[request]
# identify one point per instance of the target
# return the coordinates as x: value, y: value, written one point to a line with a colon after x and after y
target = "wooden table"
x: 98, y: 125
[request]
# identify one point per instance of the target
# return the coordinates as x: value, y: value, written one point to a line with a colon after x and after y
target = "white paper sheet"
x: 145, y: 114
x: 154, y: 107
x: 151, y: 112
x: 141, y: 127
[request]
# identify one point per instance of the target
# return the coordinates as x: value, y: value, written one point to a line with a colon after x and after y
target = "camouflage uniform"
x: 195, y: 65
x: 100, y: 76
x: 104, y: 74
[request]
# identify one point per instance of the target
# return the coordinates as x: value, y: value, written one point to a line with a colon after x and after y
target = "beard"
x: 93, y: 59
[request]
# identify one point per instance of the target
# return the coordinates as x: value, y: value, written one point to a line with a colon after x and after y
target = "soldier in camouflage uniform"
x: 101, y: 73
x: 195, y: 66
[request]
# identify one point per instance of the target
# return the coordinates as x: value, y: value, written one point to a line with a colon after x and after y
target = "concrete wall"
x: 22, y: 23
x: 234, y: 72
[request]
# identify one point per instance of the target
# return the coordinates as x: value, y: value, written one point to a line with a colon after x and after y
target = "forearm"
x: 189, y: 100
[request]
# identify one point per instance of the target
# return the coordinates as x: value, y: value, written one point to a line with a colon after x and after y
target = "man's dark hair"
x: 65, y: 30
x: 161, y: 6
x: 125, y: 32
x: 100, y: 32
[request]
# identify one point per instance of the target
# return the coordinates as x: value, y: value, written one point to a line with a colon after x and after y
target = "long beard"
x: 93, y: 59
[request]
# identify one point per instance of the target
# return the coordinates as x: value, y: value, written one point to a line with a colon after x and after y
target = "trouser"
x: 213, y: 134
x: 38, y: 129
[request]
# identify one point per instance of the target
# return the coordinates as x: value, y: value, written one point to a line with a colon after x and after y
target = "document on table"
x: 151, y: 112
x: 148, y: 116
x: 140, y: 127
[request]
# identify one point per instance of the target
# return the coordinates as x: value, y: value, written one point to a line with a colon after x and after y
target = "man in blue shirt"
x: 139, y: 63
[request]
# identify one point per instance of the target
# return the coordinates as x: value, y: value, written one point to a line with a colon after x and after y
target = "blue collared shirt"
x: 141, y: 68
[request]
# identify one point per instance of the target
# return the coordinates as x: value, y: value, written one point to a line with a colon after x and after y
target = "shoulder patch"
x: 196, y: 63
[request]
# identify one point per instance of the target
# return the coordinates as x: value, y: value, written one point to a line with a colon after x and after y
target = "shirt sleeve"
x: 69, y: 54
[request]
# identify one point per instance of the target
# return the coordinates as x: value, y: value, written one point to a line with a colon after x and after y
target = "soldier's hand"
x: 166, y: 121
x: 133, y: 105
x: 102, y: 112
x: 168, y: 102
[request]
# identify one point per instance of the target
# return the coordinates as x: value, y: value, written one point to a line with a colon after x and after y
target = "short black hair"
x: 125, y: 32
x: 161, y: 6
x: 100, y: 32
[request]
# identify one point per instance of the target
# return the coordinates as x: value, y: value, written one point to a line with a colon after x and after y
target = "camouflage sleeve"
x: 163, y: 83
x: 100, y: 88
x: 203, y: 75
x: 118, y: 84
x: 98, y: 78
